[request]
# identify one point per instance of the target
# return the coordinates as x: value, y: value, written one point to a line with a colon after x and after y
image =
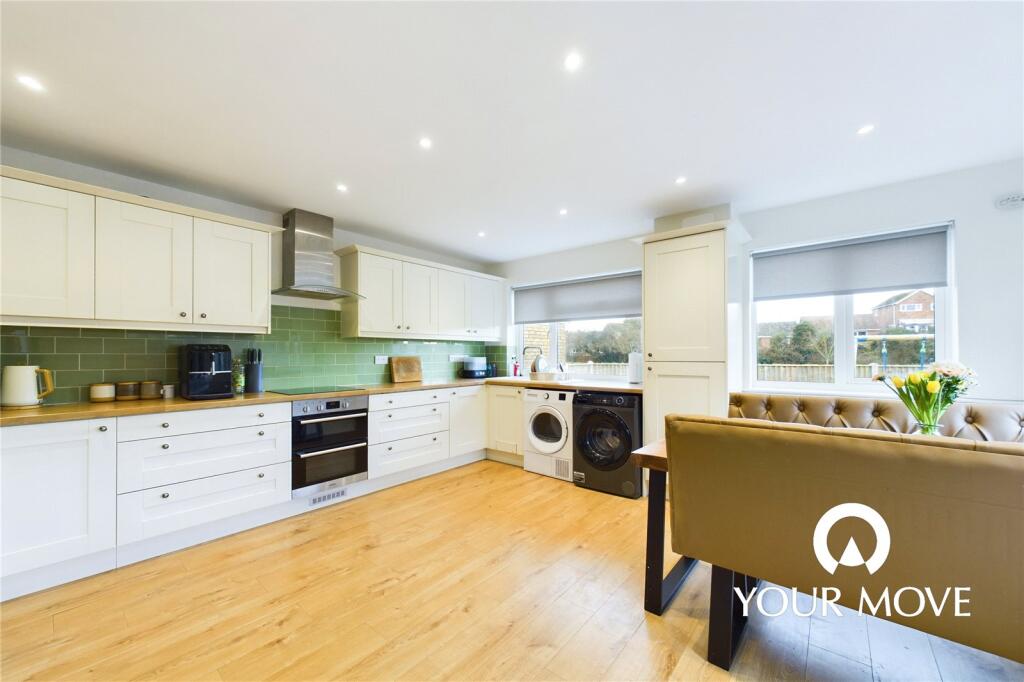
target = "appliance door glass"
x: 604, y: 439
x: 547, y: 430
x: 320, y: 466
x: 327, y: 431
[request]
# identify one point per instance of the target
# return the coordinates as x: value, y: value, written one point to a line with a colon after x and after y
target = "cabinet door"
x: 407, y: 422
x: 390, y: 458
x: 505, y: 418
x: 485, y: 307
x: 682, y: 387
x: 47, y: 265
x: 468, y: 419
x: 232, y: 278
x: 143, y: 263
x: 684, y: 299
x: 452, y: 304
x: 419, y: 298
x: 58, y: 483
x: 380, y: 281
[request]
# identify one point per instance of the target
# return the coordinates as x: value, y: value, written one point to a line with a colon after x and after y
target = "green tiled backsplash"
x: 306, y: 348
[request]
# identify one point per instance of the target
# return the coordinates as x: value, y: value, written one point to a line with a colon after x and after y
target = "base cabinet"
x: 408, y: 453
x: 682, y: 388
x: 59, y: 489
x: 407, y: 422
x: 165, y: 509
x: 505, y: 418
x: 468, y: 418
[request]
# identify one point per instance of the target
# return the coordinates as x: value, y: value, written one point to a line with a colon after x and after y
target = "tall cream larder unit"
x: 684, y: 325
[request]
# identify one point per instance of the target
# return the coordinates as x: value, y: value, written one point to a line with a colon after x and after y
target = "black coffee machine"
x: 204, y: 371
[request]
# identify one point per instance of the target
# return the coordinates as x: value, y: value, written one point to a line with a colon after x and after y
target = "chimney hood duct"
x: 308, y: 262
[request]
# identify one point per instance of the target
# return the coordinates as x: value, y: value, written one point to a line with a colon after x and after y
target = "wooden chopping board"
x: 405, y: 368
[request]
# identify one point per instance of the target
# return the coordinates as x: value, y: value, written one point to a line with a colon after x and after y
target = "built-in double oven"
x: 329, y: 445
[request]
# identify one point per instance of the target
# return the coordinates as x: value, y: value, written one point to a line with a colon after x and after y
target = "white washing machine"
x: 547, y: 436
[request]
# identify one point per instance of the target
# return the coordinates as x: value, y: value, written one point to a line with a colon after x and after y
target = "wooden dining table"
x: 659, y: 588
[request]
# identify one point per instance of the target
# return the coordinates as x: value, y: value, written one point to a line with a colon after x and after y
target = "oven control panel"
x: 329, y: 405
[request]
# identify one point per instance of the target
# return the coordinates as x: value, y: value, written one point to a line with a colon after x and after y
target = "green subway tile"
x: 145, y: 361
x: 73, y: 345
x: 302, y: 313
x: 124, y: 374
x: 28, y: 344
x: 54, y: 361
x: 280, y: 311
x: 13, y: 359
x: 77, y: 377
x: 144, y: 334
x: 8, y: 330
x: 166, y: 376
x: 98, y: 361
x: 54, y: 331
x: 103, y: 333
x: 161, y: 346
x: 67, y: 394
x: 124, y: 345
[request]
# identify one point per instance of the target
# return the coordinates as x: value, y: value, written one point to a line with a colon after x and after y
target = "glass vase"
x: 928, y: 429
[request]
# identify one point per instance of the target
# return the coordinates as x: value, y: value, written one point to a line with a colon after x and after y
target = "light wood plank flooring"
x: 484, y: 572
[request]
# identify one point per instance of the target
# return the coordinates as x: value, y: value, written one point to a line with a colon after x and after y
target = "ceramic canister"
x: 101, y: 393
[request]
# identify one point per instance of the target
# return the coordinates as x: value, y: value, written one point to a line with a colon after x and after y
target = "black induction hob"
x: 315, y: 389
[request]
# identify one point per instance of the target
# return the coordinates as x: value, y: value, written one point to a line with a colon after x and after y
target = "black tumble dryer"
x: 606, y: 429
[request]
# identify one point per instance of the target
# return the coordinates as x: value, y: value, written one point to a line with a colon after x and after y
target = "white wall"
x: 988, y: 254
x: 606, y: 258
x: 27, y: 160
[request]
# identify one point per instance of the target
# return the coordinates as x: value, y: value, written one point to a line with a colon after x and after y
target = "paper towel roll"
x: 635, y: 371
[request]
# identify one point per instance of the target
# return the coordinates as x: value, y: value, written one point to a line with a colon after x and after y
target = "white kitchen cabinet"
x: 165, y: 424
x: 399, y: 455
x: 162, y: 461
x: 232, y: 275
x: 467, y: 419
x: 685, y: 298
x: 419, y: 299
x: 453, y: 304
x: 58, y: 483
x: 484, y: 308
x: 408, y: 298
x: 684, y: 388
x: 143, y: 263
x: 47, y: 264
x: 505, y: 418
x: 148, y: 513
x: 391, y: 401
x: 407, y: 422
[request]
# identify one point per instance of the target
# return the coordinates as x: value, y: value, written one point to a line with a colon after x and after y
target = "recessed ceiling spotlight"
x: 31, y: 82
x: 573, y: 61
x: 563, y: 211
x: 343, y: 189
x: 481, y: 234
x: 680, y: 180
x: 426, y: 143
x: 866, y: 129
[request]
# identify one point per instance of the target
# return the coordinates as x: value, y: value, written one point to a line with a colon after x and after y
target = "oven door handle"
x: 324, y: 452
x: 332, y: 419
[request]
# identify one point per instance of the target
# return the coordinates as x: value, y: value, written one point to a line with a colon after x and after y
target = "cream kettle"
x: 21, y: 385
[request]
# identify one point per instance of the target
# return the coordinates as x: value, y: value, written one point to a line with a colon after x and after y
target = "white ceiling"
x: 274, y: 104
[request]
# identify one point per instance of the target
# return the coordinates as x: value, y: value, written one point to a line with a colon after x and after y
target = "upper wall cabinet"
x: 74, y: 254
x: 235, y: 255
x: 143, y: 263
x: 47, y: 243
x: 410, y: 298
x: 684, y: 299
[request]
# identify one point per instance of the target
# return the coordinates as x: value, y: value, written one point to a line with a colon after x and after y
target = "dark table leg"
x: 659, y: 589
x: 726, y: 620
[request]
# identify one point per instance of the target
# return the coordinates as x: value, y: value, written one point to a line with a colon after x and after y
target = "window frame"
x: 555, y: 350
x: 845, y: 357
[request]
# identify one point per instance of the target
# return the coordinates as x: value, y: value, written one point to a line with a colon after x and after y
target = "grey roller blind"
x: 587, y: 299
x: 910, y: 259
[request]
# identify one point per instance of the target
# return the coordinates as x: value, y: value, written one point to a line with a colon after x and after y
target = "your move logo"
x: 907, y: 601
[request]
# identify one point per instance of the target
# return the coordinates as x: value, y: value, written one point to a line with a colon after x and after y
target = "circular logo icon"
x: 851, y: 555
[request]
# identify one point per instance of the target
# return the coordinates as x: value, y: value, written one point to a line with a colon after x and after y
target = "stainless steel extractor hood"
x: 308, y: 262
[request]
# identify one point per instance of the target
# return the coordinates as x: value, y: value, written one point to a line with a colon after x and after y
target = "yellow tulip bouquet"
x: 930, y: 392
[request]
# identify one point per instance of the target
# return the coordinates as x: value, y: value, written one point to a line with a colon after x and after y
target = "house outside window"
x: 854, y: 329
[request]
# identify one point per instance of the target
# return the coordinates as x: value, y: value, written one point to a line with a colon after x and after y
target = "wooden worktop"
x: 72, y: 411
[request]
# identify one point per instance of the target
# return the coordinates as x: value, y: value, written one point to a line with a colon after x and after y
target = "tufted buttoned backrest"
x: 974, y: 421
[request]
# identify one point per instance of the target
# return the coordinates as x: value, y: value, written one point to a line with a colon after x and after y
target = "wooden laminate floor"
x: 484, y: 572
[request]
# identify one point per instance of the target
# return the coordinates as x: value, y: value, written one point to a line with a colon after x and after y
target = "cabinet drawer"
x: 407, y: 422
x: 149, y: 513
x: 392, y: 401
x: 195, y: 421
x: 162, y: 461
x: 389, y: 458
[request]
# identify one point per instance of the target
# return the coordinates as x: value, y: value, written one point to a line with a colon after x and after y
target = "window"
x: 589, y: 326
x: 586, y: 348
x: 828, y: 315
